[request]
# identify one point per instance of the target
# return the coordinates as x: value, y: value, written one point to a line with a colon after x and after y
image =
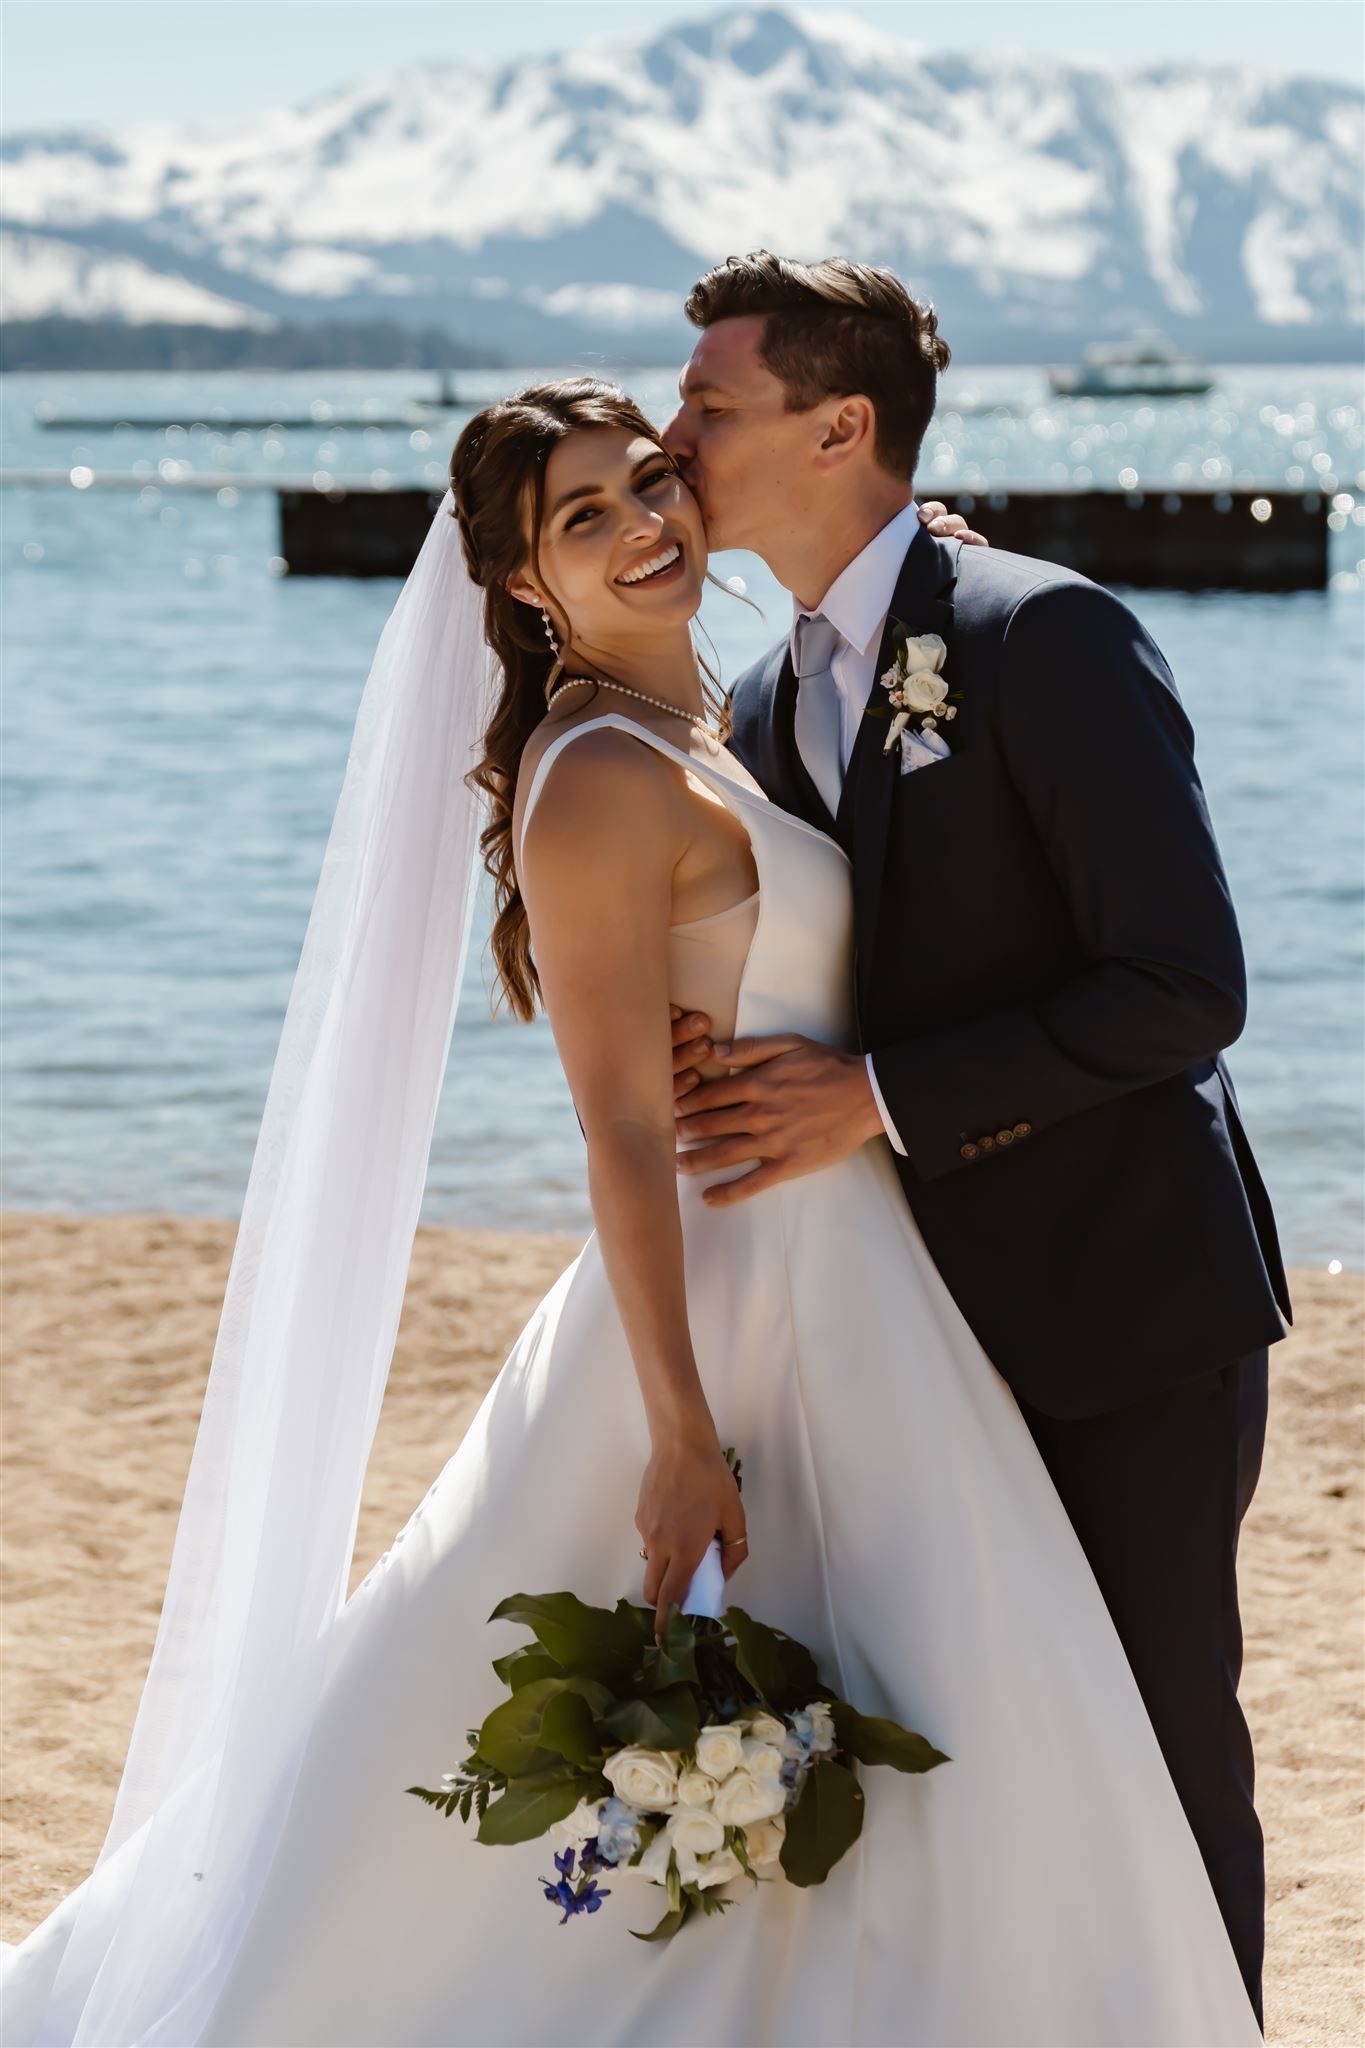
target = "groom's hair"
x: 835, y: 328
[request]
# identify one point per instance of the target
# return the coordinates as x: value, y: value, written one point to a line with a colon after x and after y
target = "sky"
x: 104, y: 62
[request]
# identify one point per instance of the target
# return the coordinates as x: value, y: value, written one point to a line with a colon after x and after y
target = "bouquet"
x: 713, y: 1754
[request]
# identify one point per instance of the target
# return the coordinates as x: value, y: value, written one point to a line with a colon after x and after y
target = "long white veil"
x: 309, y: 1319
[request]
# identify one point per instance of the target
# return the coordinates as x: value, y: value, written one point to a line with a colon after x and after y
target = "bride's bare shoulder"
x: 606, y: 787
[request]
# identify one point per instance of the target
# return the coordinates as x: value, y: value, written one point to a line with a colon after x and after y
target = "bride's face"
x: 622, y: 546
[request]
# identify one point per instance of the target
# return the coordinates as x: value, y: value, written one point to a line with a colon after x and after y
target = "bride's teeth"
x: 652, y: 566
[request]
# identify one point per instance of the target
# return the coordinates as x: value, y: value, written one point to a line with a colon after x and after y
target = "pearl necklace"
x: 659, y: 703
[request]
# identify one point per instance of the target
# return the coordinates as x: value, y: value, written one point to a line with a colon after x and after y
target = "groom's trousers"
x: 1156, y: 1491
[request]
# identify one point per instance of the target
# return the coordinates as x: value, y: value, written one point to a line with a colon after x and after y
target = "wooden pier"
x: 1242, y: 539
x: 1175, y: 540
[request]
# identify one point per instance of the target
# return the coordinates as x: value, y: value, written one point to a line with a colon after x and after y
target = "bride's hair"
x: 497, y: 473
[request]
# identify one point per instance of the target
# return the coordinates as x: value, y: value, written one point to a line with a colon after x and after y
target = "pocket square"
x: 921, y: 750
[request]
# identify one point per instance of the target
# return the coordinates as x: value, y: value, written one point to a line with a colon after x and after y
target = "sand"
x: 108, y: 1331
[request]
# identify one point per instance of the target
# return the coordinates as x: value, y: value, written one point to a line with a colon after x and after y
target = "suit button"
x: 1004, y: 1137
x: 1023, y: 1130
x: 969, y: 1151
x: 986, y: 1143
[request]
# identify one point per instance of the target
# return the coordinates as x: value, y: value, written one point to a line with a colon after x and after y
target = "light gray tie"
x: 819, y: 724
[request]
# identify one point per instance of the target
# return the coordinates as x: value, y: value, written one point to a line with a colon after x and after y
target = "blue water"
x: 176, y: 717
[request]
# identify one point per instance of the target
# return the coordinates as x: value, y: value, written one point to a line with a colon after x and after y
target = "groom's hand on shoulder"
x: 791, y: 1103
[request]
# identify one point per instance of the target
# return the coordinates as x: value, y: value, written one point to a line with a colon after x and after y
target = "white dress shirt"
x: 856, y: 604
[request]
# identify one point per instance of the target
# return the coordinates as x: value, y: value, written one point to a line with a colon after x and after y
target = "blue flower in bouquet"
x: 618, y: 1831
x: 586, y: 1896
x: 813, y: 1728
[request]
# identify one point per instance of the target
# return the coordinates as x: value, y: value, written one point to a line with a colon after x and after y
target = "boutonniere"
x: 921, y: 702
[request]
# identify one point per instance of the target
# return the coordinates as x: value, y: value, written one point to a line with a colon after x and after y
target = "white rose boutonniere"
x: 921, y: 701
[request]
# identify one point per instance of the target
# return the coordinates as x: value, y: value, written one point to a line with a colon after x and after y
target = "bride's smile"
x: 670, y: 562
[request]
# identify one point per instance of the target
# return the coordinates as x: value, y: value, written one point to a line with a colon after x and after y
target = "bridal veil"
x: 314, y: 1293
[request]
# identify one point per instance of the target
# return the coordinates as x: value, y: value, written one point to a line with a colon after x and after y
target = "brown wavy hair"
x: 497, y: 473
x: 831, y: 329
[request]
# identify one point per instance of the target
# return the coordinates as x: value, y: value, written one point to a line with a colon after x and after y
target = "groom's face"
x: 749, y: 461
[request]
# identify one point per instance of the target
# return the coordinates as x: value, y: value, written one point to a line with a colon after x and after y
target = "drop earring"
x: 558, y: 663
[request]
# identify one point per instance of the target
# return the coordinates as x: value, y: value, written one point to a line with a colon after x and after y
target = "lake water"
x: 176, y: 719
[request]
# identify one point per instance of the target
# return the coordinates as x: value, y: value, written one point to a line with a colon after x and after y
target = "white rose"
x: 763, y: 1840
x: 694, y: 1830
x: 717, y: 1869
x: 923, y: 690
x: 577, y: 1827
x: 763, y: 1759
x: 646, y: 1777
x: 767, y: 1728
x: 719, y: 1749
x: 654, y: 1863
x: 926, y: 650
x: 695, y: 1788
x: 743, y: 1798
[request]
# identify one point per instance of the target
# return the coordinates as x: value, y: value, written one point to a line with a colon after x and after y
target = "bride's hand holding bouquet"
x: 689, y: 1495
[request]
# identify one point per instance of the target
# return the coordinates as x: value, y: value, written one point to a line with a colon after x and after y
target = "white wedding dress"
x: 1041, y: 1887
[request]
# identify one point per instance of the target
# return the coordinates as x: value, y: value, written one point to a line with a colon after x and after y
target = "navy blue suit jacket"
x: 1048, y: 969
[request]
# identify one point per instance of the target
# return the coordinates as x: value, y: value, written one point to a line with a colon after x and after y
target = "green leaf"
x: 639, y: 1620
x: 800, y: 1674
x: 874, y: 1739
x: 735, y: 1840
x: 826, y: 1820
x: 674, y: 1660
x: 532, y: 1804
x: 674, y: 1881
x: 568, y: 1727
x: 666, y: 1720
x: 597, y: 1641
x: 444, y: 1802
x: 519, y: 1667
x: 510, y: 1735
x: 758, y: 1653
x: 775, y: 1664
x: 668, y: 1926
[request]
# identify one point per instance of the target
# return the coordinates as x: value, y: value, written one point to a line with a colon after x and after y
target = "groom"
x: 1048, y: 968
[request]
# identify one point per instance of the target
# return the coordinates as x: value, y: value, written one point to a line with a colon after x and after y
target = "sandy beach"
x: 108, y: 1331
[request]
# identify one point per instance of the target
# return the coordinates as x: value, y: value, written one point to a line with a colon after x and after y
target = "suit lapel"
x: 922, y: 601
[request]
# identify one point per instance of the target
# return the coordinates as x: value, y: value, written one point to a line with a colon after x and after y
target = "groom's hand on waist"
x: 789, y: 1102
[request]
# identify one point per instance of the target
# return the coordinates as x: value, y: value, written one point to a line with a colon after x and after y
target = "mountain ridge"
x: 558, y: 205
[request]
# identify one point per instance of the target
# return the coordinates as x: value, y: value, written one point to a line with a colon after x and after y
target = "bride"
x: 265, y: 1880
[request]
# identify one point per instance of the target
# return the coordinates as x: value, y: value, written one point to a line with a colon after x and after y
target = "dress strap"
x: 726, y: 785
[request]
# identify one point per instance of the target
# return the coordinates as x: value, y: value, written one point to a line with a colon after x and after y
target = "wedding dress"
x: 1041, y: 1887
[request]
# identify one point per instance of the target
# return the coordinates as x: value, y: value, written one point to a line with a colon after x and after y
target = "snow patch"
x: 40, y: 275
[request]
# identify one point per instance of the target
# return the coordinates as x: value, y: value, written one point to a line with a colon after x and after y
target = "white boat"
x: 1145, y: 368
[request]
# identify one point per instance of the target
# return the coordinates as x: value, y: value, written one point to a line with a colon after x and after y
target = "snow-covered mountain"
x: 563, y: 203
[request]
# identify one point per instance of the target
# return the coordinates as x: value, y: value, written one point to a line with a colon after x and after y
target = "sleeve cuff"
x: 882, y: 1111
